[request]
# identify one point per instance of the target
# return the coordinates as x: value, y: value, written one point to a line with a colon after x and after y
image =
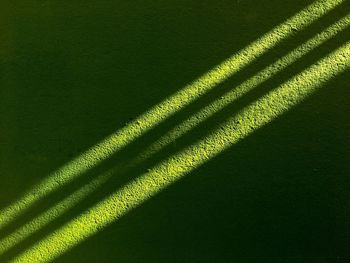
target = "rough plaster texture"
x: 108, y: 104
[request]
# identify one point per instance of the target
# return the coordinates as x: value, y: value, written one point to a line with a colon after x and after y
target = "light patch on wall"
x: 166, y: 108
x: 236, y: 128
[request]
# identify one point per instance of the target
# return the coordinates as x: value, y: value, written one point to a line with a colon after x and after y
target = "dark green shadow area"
x: 74, y: 72
x: 62, y: 122
x: 189, y: 138
x: 150, y: 137
x: 54, y: 107
x: 278, y: 196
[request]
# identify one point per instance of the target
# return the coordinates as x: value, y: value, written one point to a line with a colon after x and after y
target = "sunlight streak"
x: 73, y: 199
x: 166, y: 108
x: 254, y: 116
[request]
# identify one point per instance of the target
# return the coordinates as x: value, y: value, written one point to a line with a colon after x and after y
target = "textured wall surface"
x: 174, y: 131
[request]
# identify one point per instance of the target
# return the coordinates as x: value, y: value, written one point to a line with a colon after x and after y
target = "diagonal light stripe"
x: 251, y: 118
x: 246, y: 86
x: 166, y: 108
x: 75, y: 198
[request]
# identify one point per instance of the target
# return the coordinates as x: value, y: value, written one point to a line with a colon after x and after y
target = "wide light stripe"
x: 245, y: 87
x: 166, y: 108
x: 251, y: 118
x: 174, y: 134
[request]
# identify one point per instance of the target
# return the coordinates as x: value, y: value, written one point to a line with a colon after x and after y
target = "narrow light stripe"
x: 166, y: 108
x: 177, y: 132
x: 251, y: 118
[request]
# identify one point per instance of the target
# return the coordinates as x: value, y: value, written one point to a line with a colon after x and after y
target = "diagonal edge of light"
x: 254, y: 116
